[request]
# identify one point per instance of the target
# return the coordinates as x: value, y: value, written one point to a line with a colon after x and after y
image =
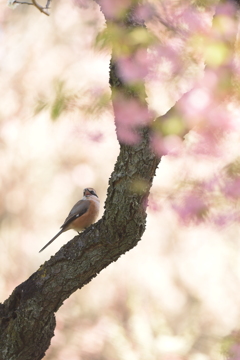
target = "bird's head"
x: 89, y: 191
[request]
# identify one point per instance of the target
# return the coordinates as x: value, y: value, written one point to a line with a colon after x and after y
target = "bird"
x: 83, y: 214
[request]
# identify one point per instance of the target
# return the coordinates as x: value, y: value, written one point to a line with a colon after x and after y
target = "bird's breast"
x: 87, y: 219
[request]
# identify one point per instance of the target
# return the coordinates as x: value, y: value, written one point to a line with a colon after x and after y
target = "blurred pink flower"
x: 134, y: 67
x: 232, y: 188
x: 212, y: 129
x: 194, y: 104
x: 212, y: 184
x: 224, y: 218
x: 193, y: 207
x: 205, y: 111
x: 127, y: 135
x: 200, y: 100
x: 227, y: 9
x: 183, y: 18
x: 171, y: 144
x: 191, y: 20
x: 144, y: 12
x: 152, y: 204
x: 221, y: 120
x: 206, y: 143
x: 166, y: 59
x: 206, y: 101
x: 114, y: 9
x: 234, y: 352
x: 129, y: 115
x: 130, y: 112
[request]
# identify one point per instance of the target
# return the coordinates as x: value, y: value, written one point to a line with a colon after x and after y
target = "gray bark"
x: 27, y: 319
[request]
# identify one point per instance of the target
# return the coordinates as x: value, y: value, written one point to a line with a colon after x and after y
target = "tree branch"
x: 40, y: 8
x: 27, y: 319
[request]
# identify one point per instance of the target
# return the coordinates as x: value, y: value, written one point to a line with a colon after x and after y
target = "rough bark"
x: 27, y: 319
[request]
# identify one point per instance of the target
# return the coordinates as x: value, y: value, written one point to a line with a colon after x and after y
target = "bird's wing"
x: 80, y: 208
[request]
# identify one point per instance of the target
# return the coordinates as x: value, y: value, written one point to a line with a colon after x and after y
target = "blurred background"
x: 176, y: 295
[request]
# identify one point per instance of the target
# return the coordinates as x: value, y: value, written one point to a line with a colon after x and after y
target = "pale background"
x: 172, y: 297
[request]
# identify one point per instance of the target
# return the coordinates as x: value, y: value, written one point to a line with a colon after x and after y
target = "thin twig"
x: 40, y: 8
x: 48, y: 4
x: 34, y: 3
x: 22, y: 2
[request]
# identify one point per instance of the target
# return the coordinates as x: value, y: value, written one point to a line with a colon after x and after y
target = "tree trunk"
x: 27, y: 319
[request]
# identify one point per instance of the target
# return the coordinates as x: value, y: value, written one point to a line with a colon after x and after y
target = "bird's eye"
x: 93, y: 193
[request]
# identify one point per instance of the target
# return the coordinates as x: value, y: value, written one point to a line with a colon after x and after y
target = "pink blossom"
x: 207, y: 143
x: 221, y: 120
x: 194, y: 104
x: 166, y: 59
x: 192, y: 20
x: 129, y: 115
x: 232, y: 188
x: 204, y: 111
x: 228, y: 9
x: 193, y: 207
x: 211, y: 130
x: 133, y: 67
x: 198, y: 103
x: 184, y: 18
x: 212, y: 184
x: 144, y: 12
x: 127, y: 135
x: 171, y: 144
x: 114, y: 9
x: 224, y: 218
x: 234, y: 352
x: 130, y: 112
x: 152, y: 204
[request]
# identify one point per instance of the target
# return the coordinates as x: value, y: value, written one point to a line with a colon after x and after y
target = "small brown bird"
x: 83, y: 214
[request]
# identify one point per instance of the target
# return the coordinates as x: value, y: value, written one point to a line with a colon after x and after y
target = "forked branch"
x: 43, y: 9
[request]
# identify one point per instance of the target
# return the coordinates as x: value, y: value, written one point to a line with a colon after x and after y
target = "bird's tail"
x: 59, y: 233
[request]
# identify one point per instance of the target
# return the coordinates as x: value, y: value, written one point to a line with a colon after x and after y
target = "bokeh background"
x: 176, y: 295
